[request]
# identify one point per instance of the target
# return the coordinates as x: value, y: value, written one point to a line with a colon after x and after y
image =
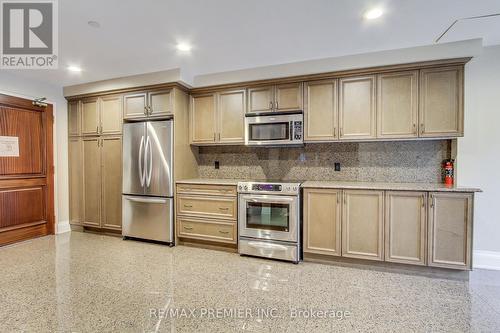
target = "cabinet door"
x: 288, y: 97
x: 260, y: 99
x: 397, y: 105
x: 111, y: 115
x: 321, y: 114
x: 231, y: 115
x: 450, y: 230
x: 203, y: 118
x: 74, y: 118
x: 160, y: 103
x: 75, y: 180
x: 90, y: 116
x: 405, y: 227
x: 441, y: 102
x: 357, y: 108
x: 134, y: 106
x: 322, y: 216
x: 111, y: 155
x: 92, y: 182
x: 362, y: 224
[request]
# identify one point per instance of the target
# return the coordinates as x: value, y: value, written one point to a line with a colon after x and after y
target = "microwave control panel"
x: 297, y: 130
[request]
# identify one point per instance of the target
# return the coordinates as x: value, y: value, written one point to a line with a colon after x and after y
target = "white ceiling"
x: 140, y: 36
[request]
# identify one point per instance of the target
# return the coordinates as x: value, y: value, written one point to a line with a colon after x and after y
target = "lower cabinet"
x: 363, y: 224
x: 75, y: 158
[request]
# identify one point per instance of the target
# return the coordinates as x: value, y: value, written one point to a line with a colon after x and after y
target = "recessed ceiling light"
x: 373, y: 13
x: 94, y: 24
x: 184, y: 47
x: 74, y: 69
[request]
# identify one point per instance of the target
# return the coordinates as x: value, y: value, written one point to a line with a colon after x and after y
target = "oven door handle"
x: 272, y: 200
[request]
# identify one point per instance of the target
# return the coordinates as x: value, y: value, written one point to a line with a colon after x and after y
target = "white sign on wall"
x: 9, y: 146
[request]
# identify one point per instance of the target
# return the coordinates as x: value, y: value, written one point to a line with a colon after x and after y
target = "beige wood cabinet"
x: 357, y: 109
x: 203, y: 118
x: 405, y: 227
x: 90, y: 116
x: 156, y: 103
x: 101, y: 115
x: 74, y: 118
x: 363, y: 224
x: 207, y: 206
x: 441, y: 102
x: 280, y: 98
x: 321, y: 111
x: 397, y: 105
x: 75, y: 160
x: 215, y: 231
x: 92, y: 182
x: 230, y: 116
x: 450, y: 230
x: 322, y: 221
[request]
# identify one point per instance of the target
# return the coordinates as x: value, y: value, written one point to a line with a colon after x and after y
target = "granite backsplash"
x: 399, y: 161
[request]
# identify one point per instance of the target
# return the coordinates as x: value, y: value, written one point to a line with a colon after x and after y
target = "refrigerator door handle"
x: 149, y: 150
x: 142, y: 175
x: 146, y: 200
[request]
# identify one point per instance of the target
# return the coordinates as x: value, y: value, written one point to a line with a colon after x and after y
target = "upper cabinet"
x: 441, y: 102
x: 357, y: 115
x: 202, y: 119
x: 74, y: 118
x: 90, y: 116
x: 397, y: 105
x: 101, y: 115
x: 320, y: 111
x: 148, y: 104
x: 276, y: 98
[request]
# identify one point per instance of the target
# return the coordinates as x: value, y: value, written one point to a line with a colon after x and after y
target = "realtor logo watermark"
x: 29, y: 34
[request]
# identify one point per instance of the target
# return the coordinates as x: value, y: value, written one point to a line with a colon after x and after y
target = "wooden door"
x: 92, y: 181
x: 322, y: 221
x: 26, y: 170
x: 111, y: 114
x: 321, y: 113
x: 111, y: 208
x: 160, y: 103
x: 405, y: 227
x: 441, y: 102
x: 363, y: 224
x: 288, y: 97
x: 75, y: 159
x: 450, y: 230
x: 134, y: 105
x: 74, y: 118
x: 231, y: 116
x: 357, y: 114
x: 397, y: 105
x: 260, y: 99
x: 203, y: 121
x: 90, y: 116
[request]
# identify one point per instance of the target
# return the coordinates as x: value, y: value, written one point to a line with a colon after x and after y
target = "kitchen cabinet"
x: 230, y: 116
x: 275, y: 98
x: 216, y: 231
x: 405, y: 227
x: 156, y: 103
x: 450, y: 230
x: 101, y: 115
x: 322, y: 221
x: 74, y: 118
x: 90, y: 116
x: 75, y: 160
x: 357, y: 109
x: 92, y: 182
x: 320, y: 111
x: 207, y: 206
x: 363, y: 224
x: 202, y: 118
x: 441, y: 102
x: 397, y: 105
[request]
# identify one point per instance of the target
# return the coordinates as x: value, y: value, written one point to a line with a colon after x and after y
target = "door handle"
x: 422, y: 128
x: 142, y: 175
x: 143, y: 200
x: 276, y: 105
x: 223, y: 232
x: 150, y: 111
x: 271, y: 105
x: 150, y: 164
x: 188, y: 228
x: 188, y: 206
x: 223, y: 208
x: 145, y: 110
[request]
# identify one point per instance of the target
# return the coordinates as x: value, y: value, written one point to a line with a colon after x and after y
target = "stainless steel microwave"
x: 274, y: 129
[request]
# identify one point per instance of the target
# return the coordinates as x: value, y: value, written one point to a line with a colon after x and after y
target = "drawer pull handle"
x: 223, y: 208
x: 188, y: 206
x: 223, y: 232
x: 188, y: 228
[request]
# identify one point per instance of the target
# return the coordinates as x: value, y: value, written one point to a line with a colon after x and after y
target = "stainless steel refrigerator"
x: 147, y: 180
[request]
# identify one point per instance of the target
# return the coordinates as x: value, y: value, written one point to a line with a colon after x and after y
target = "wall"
x: 17, y: 85
x: 479, y: 152
x: 402, y: 161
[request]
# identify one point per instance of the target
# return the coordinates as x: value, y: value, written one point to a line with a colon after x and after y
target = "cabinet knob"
x: 145, y: 110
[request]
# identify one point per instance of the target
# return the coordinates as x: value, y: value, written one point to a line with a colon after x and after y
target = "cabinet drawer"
x: 212, y: 207
x: 217, y: 231
x: 229, y: 190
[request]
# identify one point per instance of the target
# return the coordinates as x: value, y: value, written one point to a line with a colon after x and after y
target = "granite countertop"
x: 432, y: 187
x: 211, y: 181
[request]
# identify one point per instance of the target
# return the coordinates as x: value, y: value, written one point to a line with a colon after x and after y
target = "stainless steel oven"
x: 269, y: 220
x: 274, y: 129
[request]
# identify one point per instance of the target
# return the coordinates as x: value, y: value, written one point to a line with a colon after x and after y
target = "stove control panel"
x: 275, y: 188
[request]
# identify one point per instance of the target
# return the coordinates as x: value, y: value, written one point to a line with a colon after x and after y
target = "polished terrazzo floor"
x: 79, y: 282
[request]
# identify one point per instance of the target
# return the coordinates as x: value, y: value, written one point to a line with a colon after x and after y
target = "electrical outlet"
x: 337, y: 166
x: 216, y: 164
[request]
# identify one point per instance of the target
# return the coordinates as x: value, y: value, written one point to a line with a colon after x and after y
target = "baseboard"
x: 486, y: 260
x: 62, y: 227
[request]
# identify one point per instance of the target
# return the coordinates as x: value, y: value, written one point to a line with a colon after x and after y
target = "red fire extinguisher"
x: 448, y: 173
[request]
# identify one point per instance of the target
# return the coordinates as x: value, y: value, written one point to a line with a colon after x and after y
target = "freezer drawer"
x: 148, y: 218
